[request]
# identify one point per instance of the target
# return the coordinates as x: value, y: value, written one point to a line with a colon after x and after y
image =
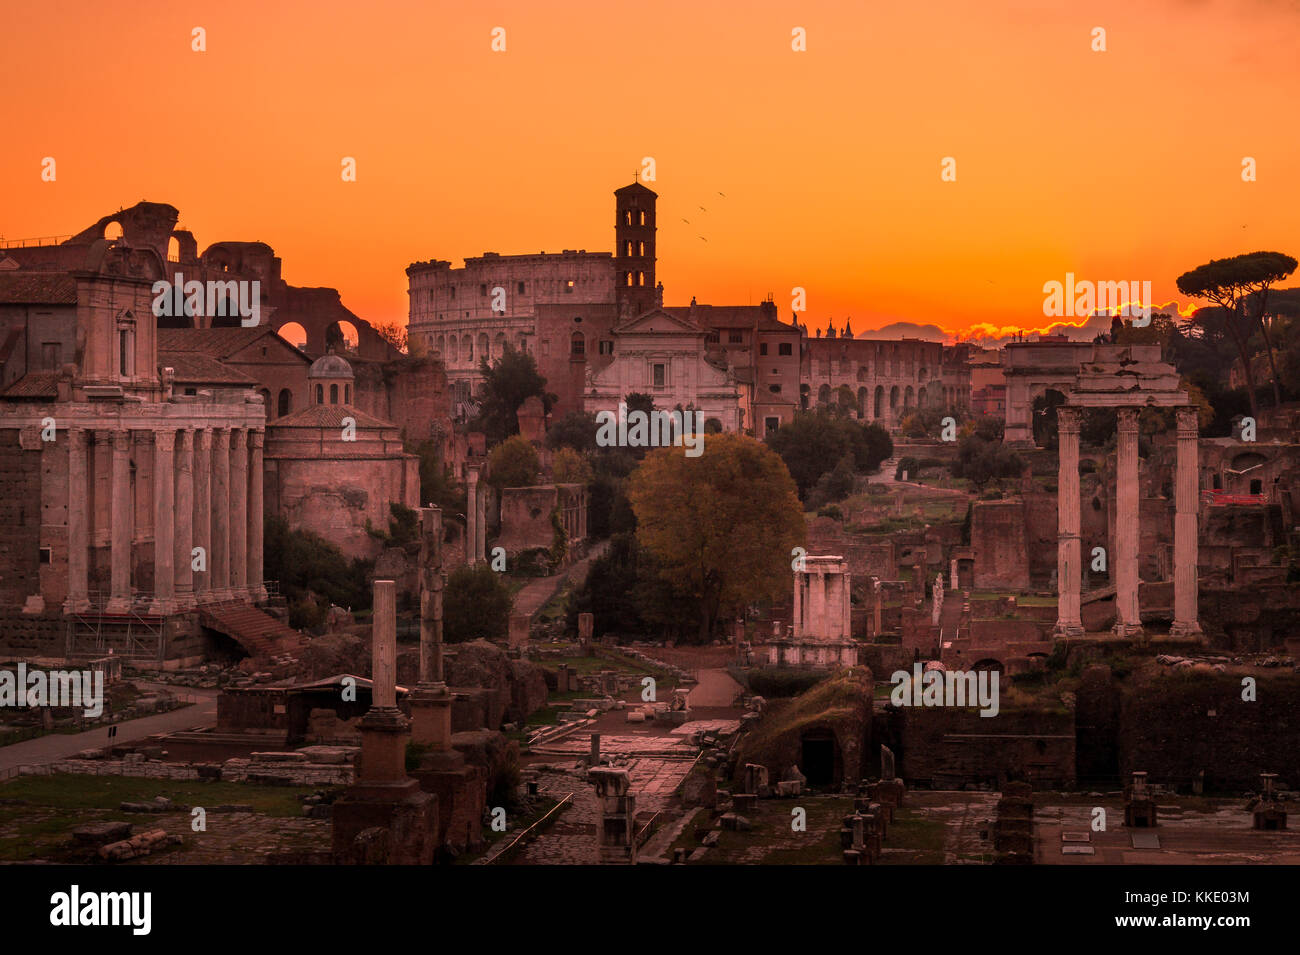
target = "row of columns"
x: 1124, y: 545
x: 207, y: 493
x: 822, y: 606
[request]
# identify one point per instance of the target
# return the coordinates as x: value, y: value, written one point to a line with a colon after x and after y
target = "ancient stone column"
x: 816, y: 625
x: 846, y: 600
x: 431, y: 700
x: 78, y: 525
x: 203, y: 509
x: 184, y: 519
x: 384, y: 669
x: 799, y: 578
x: 1127, y: 529
x: 1069, y: 548
x: 480, y: 530
x: 256, y: 586
x: 219, y: 555
x: 239, y: 512
x: 164, y: 544
x: 1186, y: 495
x: 616, y: 820
x: 471, y: 515
x: 120, y: 521
x: 384, y: 730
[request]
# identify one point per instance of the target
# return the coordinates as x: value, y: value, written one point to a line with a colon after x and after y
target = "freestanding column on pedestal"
x: 219, y: 556
x: 384, y: 730
x: 1186, y: 499
x: 1068, y: 546
x: 256, y: 587
x: 120, y: 513
x: 184, y: 518
x: 1127, y: 527
x: 239, y: 512
x: 203, y: 509
x: 798, y: 603
x: 471, y: 515
x: 431, y: 701
x: 164, y: 573
x: 78, y: 526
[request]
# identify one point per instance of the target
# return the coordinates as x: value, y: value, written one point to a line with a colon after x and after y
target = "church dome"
x: 330, y: 366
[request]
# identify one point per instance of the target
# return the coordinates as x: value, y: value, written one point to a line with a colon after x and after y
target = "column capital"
x: 1067, y: 418
x: 186, y: 439
x: 77, y: 438
x: 1127, y: 419
x: 1189, y: 422
x: 165, y: 440
x: 238, y: 438
x: 221, y: 438
x: 203, y: 439
x: 122, y: 440
x: 256, y: 439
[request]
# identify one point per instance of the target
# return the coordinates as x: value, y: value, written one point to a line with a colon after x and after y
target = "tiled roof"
x: 192, y: 367
x: 37, y: 288
x: 35, y: 384
x: 328, y: 416
x: 213, y: 342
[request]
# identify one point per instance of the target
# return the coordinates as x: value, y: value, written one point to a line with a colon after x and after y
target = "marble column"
x: 164, y: 572
x: 1186, y: 501
x: 431, y: 700
x: 184, y: 520
x: 1127, y: 527
x: 78, y: 525
x: 846, y: 600
x: 120, y: 514
x: 817, y: 601
x: 203, y: 509
x: 799, y: 578
x: 471, y: 515
x: 219, y: 556
x: 256, y: 586
x: 239, y: 512
x: 1069, y: 549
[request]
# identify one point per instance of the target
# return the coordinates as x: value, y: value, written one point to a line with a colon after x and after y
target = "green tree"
x: 507, y: 383
x: 570, y: 467
x: 437, y: 486
x: 816, y: 441
x: 576, y: 430
x: 313, y: 573
x: 721, y: 525
x: 1232, y: 284
x: 476, y: 605
x: 513, y: 463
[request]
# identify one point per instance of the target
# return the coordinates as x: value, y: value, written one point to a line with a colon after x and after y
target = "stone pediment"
x: 658, y: 322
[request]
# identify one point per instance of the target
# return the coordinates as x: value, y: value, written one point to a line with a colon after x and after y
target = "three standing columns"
x: 1127, y: 533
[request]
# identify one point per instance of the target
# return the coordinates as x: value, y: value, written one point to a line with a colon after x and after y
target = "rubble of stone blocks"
x: 862, y: 835
x: 1013, y: 829
x: 137, y: 846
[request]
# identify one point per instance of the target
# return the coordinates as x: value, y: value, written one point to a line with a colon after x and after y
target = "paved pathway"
x: 534, y: 594
x: 55, y: 746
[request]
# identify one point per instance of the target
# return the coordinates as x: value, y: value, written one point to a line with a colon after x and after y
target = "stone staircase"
x: 257, y: 632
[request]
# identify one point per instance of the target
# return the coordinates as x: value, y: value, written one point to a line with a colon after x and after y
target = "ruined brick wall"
x: 526, y: 517
x: 20, y: 518
x: 998, y: 539
x: 946, y: 747
x: 1175, y: 724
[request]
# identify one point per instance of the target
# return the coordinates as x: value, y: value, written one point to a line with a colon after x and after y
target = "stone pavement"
x: 56, y: 746
x: 534, y: 594
x: 571, y: 839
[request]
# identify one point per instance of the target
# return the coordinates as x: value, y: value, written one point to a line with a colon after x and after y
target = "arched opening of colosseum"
x: 342, y: 336
x: 466, y: 348
x: 920, y: 398
x: 439, y: 344
x: 499, y: 344
x: 293, y: 333
x: 909, y: 399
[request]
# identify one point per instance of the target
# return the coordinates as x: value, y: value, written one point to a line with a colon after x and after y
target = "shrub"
x: 782, y: 682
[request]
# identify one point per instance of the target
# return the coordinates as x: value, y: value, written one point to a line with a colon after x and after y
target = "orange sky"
x: 1123, y: 165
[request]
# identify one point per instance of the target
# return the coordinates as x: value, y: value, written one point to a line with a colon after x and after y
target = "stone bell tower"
x: 634, y: 251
